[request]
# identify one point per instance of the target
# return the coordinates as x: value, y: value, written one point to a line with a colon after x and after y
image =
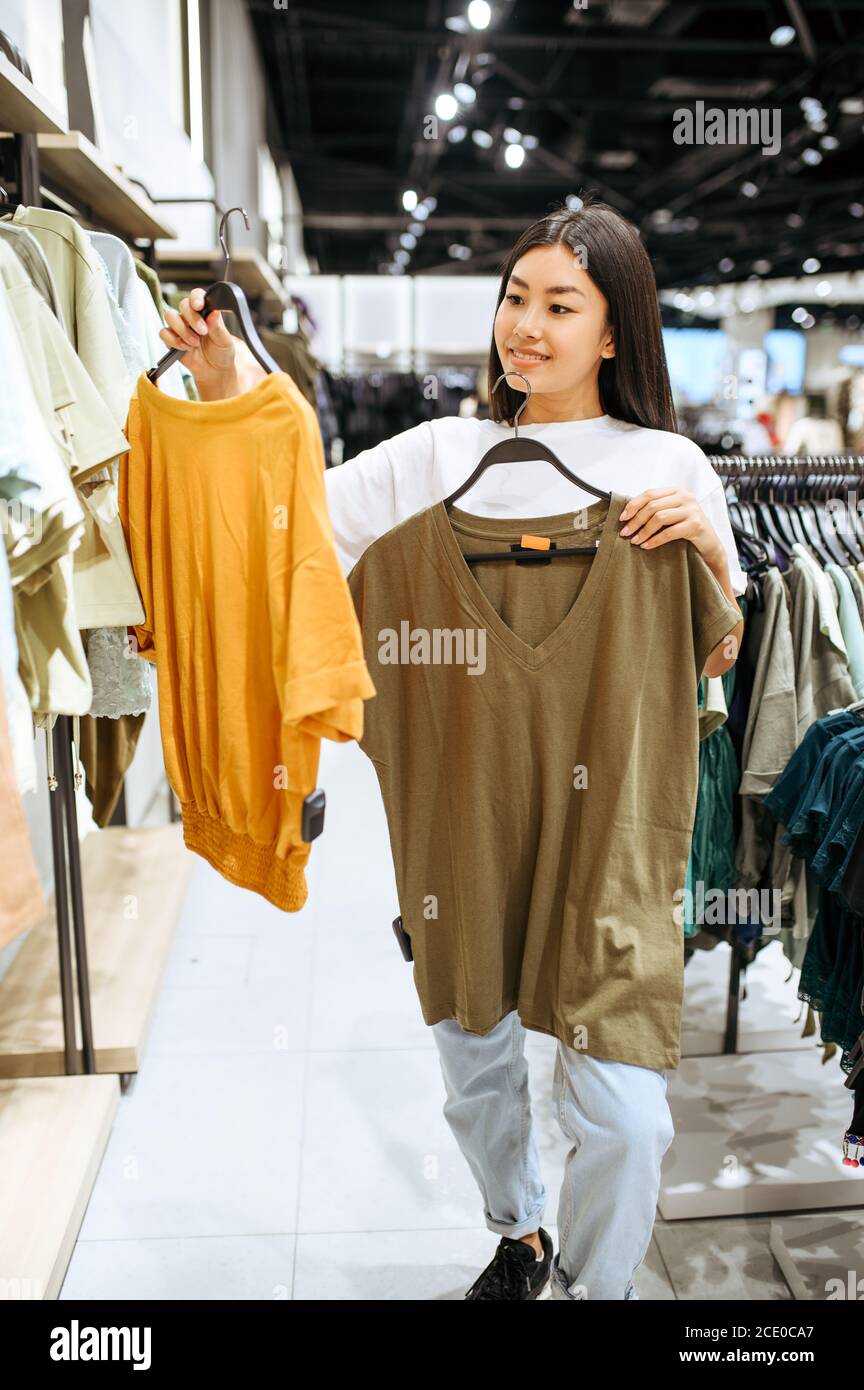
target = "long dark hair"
x: 634, y: 384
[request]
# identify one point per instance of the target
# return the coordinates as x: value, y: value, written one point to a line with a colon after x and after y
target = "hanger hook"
x: 524, y: 403
x: 222, y: 235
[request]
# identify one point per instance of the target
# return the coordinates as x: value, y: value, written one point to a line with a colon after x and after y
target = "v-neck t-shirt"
x: 535, y: 736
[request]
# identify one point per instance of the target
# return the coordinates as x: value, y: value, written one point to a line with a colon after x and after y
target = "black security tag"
x: 403, y: 938
x: 312, y: 820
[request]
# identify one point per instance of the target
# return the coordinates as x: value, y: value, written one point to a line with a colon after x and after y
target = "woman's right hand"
x: 221, y: 363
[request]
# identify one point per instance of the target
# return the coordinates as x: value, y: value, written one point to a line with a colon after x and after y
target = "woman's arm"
x: 667, y: 514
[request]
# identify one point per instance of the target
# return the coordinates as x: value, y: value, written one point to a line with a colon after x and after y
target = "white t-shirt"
x: 371, y: 493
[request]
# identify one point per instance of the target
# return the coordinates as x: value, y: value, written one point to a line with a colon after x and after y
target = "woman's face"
x: 551, y: 323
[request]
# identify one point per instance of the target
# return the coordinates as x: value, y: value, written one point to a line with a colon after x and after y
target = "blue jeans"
x: 617, y: 1118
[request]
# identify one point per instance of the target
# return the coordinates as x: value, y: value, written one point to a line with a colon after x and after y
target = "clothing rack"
x: 65, y: 843
x: 731, y: 467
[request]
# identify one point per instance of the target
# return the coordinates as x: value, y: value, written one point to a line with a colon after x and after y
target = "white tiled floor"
x: 284, y: 1137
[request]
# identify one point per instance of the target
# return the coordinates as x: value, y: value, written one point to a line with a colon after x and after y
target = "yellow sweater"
x: 248, y: 619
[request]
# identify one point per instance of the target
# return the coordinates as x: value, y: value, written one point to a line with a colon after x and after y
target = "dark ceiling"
x: 353, y: 86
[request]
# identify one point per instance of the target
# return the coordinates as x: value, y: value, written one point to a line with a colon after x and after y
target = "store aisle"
x: 284, y: 1137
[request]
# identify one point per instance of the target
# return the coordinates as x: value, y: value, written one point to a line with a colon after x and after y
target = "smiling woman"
x: 553, y: 906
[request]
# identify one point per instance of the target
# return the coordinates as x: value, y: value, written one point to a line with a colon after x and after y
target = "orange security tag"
x: 535, y: 542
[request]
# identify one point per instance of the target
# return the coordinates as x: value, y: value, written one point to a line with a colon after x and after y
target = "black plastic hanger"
x: 522, y: 448
x: 224, y: 294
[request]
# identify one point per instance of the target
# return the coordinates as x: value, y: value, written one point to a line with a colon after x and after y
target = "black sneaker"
x: 515, y: 1272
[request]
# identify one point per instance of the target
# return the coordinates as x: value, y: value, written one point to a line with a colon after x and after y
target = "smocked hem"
x: 654, y: 1061
x: 245, y: 862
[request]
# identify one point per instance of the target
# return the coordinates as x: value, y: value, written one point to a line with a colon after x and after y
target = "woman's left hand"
x: 664, y: 514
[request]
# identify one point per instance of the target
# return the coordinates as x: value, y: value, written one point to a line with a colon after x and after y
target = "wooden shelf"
x: 53, y: 1133
x: 248, y: 269
x: 77, y: 167
x: 126, y: 955
x: 23, y: 109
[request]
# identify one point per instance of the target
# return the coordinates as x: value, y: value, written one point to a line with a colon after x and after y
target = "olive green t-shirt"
x: 535, y: 735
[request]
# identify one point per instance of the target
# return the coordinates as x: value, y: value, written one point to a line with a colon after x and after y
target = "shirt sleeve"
x: 133, y: 503
x: 371, y: 493
x: 714, y: 506
x: 325, y: 679
x: 712, y: 614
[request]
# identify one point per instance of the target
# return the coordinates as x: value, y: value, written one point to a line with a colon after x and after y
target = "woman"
x: 577, y: 315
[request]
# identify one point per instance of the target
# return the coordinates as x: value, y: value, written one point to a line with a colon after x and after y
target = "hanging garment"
x: 248, y: 619
x: 371, y: 493
x: 22, y: 904
x: 121, y: 679
x: 36, y: 267
x: 86, y: 311
x: 828, y: 599
x: 771, y: 730
x: 42, y: 529
x: 88, y: 440
x: 850, y: 625
x: 132, y: 310
x: 19, y: 715
x: 535, y: 737
x: 107, y: 747
x: 711, y: 865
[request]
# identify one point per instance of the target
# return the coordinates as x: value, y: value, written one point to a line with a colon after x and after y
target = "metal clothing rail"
x: 804, y: 467
x: 798, y: 466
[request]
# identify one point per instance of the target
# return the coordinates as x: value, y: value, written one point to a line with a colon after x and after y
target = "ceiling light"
x: 856, y: 209
x: 530, y: 142
x: 408, y: 241
x: 456, y: 134
x: 782, y: 35
x: 514, y: 156
x: 726, y: 265
x: 464, y: 93
x: 421, y: 212
x: 811, y: 265
x: 574, y: 202
x: 512, y: 136
x: 482, y: 138
x: 762, y: 267
x: 401, y: 257
x: 811, y: 156
x: 479, y: 14
x: 430, y: 203
x: 749, y: 189
x: 823, y: 289
x: 446, y: 106
x: 794, y: 220
x: 829, y: 142
x: 416, y: 228
x: 409, y: 200
x: 799, y: 314
x: 852, y: 106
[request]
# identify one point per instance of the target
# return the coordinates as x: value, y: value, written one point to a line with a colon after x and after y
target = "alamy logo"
x: 740, y: 126
x: 77, y: 1343
x: 437, y: 646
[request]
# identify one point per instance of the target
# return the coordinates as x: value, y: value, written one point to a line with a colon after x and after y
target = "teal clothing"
x: 712, y: 847
x: 850, y: 626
